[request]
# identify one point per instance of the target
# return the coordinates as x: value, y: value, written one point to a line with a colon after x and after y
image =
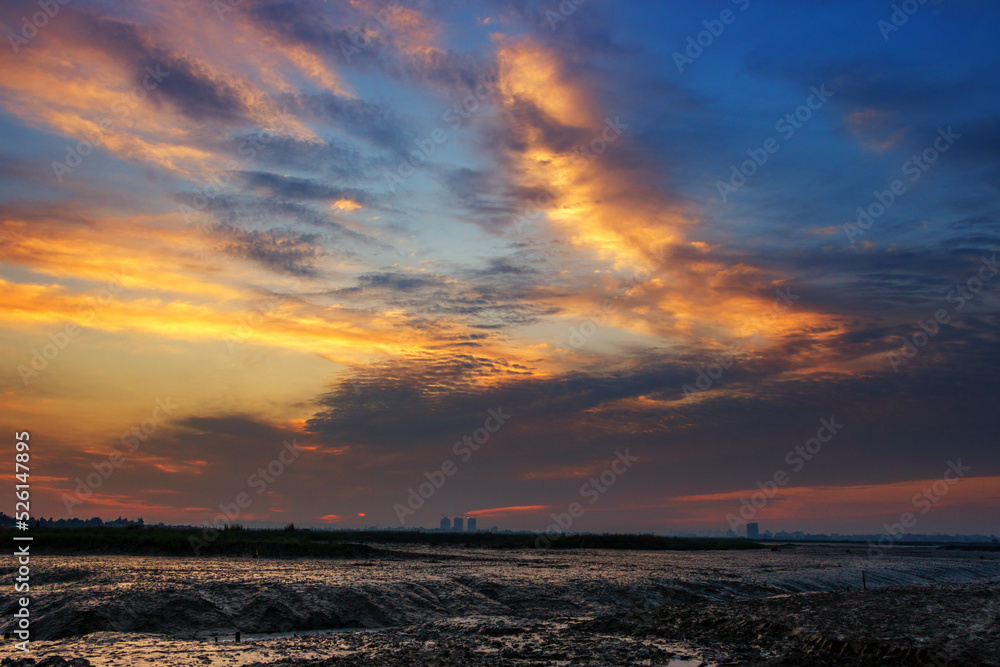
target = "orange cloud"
x: 809, y: 503
x: 504, y: 511
x: 565, y: 472
x: 93, y: 95
x: 608, y: 211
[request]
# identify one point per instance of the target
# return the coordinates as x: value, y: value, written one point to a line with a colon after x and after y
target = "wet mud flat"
x: 933, y: 624
x: 475, y: 641
x: 801, y: 605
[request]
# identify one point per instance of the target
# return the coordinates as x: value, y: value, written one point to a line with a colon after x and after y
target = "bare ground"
x: 802, y: 607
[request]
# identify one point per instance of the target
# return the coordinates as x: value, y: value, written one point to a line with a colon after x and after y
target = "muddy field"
x: 798, y: 605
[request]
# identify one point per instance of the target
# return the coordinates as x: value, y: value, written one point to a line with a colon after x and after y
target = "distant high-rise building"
x: 472, y: 525
x: 445, y: 524
x: 753, y: 531
x: 457, y: 526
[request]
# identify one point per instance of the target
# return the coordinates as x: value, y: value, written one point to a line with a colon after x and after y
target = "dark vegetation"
x: 290, y: 542
x: 191, y: 541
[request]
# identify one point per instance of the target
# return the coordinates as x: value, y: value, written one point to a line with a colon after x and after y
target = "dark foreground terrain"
x: 453, y: 606
x: 953, y: 624
x: 298, y: 543
x: 907, y: 625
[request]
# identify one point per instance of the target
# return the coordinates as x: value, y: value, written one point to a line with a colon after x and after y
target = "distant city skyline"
x: 447, y: 526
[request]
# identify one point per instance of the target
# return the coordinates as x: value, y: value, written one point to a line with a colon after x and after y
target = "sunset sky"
x: 363, y: 225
